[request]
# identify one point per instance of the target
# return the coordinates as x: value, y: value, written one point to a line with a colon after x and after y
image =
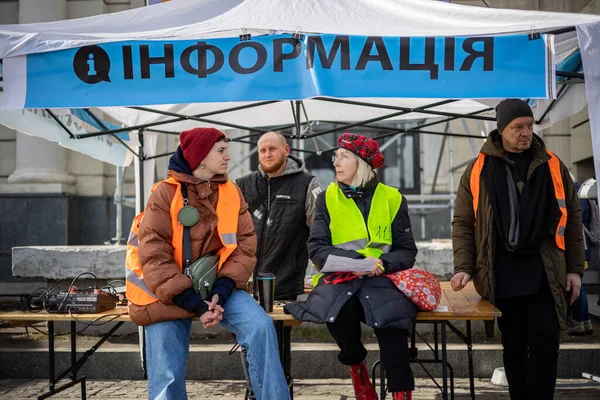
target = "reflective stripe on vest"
x: 557, y: 182
x: 347, y: 225
x: 228, y: 206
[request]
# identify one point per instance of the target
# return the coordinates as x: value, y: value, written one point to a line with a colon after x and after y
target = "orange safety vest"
x: 559, y: 192
x: 228, y: 207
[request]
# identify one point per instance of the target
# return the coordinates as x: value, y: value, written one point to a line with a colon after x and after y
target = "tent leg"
x: 141, y: 158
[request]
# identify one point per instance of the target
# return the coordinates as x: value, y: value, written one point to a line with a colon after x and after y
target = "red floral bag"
x: 420, y: 286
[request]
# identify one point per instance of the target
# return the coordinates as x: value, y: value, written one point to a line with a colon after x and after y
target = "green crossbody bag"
x: 202, y: 272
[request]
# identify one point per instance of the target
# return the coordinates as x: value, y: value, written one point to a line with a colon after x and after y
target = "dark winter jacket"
x: 282, y: 210
x: 474, y: 244
x: 384, y: 305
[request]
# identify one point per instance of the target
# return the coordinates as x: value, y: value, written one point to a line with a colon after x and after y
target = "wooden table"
x: 465, y: 305
x: 283, y: 323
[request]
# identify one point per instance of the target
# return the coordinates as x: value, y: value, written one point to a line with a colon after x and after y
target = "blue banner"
x: 288, y: 67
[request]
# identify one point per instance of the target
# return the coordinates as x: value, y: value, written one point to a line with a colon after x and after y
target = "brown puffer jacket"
x: 161, y: 273
x: 473, y: 245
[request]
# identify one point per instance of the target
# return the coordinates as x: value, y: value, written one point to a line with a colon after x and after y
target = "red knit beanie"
x: 197, y: 143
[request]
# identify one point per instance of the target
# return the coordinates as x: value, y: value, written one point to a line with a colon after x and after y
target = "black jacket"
x: 385, y: 306
x: 277, y: 206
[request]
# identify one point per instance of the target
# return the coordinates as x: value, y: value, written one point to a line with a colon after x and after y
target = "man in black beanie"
x: 517, y: 232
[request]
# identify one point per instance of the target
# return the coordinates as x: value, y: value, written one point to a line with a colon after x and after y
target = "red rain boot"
x: 402, y: 395
x: 363, y: 390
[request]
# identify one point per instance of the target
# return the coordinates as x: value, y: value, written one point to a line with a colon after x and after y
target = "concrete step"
x: 211, y: 361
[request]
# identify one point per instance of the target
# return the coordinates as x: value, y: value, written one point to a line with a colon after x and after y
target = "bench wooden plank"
x: 462, y: 305
x: 116, y: 314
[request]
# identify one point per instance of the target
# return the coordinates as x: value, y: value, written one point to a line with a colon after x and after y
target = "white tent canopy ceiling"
x: 207, y: 19
x: 203, y: 19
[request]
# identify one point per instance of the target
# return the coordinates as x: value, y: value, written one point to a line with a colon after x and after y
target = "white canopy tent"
x: 204, y: 19
x: 196, y: 19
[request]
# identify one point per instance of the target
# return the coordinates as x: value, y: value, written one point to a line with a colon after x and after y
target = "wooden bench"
x: 465, y: 305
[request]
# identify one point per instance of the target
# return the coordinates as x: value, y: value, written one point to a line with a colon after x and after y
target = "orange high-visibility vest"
x: 559, y: 192
x: 228, y: 207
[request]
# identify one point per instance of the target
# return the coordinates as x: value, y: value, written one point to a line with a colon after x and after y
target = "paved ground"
x: 331, y: 389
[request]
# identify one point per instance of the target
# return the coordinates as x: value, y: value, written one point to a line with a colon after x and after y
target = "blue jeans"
x: 580, y: 307
x: 167, y: 348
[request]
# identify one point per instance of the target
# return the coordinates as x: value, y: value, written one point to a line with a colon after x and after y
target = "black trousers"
x: 393, y: 346
x: 530, y: 338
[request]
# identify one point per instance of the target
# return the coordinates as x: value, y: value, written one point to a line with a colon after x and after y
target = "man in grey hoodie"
x: 281, y: 197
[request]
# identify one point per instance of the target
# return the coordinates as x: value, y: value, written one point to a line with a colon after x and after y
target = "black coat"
x: 278, y: 209
x: 384, y: 305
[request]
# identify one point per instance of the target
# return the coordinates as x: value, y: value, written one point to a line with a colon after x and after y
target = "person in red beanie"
x: 358, y: 217
x: 197, y: 179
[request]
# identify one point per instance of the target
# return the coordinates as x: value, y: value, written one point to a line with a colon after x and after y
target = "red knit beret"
x: 364, y: 147
x: 197, y: 143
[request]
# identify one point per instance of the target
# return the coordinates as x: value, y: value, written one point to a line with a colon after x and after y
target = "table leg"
x: 444, y: 362
x: 73, y: 350
x: 51, y: 355
x: 285, y: 352
x: 470, y: 356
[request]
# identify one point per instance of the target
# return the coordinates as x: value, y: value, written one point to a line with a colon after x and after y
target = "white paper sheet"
x: 345, y: 264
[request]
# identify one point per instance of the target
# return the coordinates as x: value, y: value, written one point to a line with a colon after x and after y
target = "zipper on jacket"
x: 262, y: 241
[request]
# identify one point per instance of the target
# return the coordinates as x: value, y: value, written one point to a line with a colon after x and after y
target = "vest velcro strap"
x: 561, y: 203
x: 560, y: 231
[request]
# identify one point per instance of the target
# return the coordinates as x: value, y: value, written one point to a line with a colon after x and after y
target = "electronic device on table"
x: 80, y: 303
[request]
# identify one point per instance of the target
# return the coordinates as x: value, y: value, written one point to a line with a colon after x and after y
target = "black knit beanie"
x: 509, y: 109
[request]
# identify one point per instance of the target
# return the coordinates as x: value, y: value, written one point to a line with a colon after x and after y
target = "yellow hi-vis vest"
x: 559, y: 193
x: 347, y: 225
x: 228, y: 209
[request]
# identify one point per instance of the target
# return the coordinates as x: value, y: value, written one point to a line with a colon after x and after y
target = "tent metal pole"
x: 396, y: 132
x: 208, y: 121
x: 468, y: 132
x: 420, y: 126
x: 277, y: 129
x: 244, y: 158
x: 343, y: 127
x: 103, y: 125
x: 469, y: 116
x: 389, y: 142
x: 427, y: 133
x: 439, y: 162
x: 163, y: 131
x: 567, y: 74
x: 141, y: 157
x: 118, y: 200
x: 58, y: 121
x: 160, y: 155
x: 581, y: 123
x: 252, y: 143
x: 422, y: 185
x: 368, y: 126
x: 422, y: 109
x: 560, y: 92
x: 179, y: 118
x: 451, y: 167
x: 552, y: 103
x: 298, y: 128
x: 216, y: 112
